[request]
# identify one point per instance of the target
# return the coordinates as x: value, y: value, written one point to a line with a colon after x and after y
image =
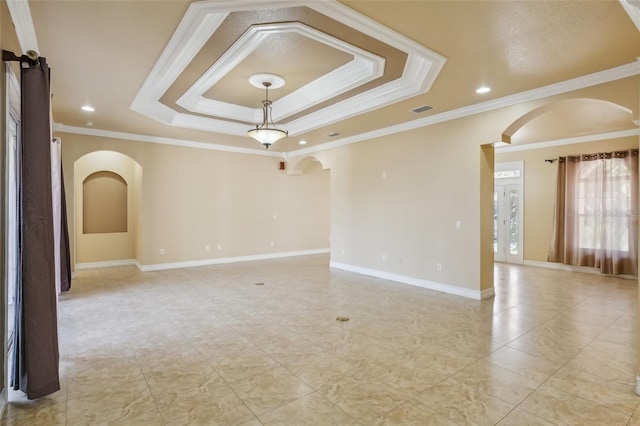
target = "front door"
x: 507, y: 222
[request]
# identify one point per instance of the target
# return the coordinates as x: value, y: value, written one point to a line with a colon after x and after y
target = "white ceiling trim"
x: 398, y: 90
x: 364, y: 68
x: 577, y: 83
x: 378, y: 31
x: 23, y: 23
x: 194, y: 30
x: 633, y: 10
x: 58, y: 127
x: 569, y: 141
x: 203, y: 18
x: 601, y: 77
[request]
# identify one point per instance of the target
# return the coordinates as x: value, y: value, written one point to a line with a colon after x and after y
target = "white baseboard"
x: 219, y: 261
x: 106, y: 264
x: 487, y: 293
x: 432, y: 285
x: 572, y: 268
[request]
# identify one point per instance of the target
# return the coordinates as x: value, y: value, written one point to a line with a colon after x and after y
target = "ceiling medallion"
x: 264, y: 134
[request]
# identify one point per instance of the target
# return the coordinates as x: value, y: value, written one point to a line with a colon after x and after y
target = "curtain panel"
x: 36, y: 356
x: 596, y: 212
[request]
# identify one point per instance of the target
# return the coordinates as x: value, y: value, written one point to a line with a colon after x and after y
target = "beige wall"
x: 540, y: 185
x: 435, y: 176
x: 136, y: 211
x: 191, y: 198
x: 395, y: 202
x: 485, y: 181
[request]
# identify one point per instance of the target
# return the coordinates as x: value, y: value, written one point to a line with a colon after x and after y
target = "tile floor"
x: 206, y: 346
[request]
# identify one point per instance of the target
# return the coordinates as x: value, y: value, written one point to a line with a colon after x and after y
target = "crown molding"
x: 23, y: 23
x: 59, y: 127
x: 194, y: 30
x: 364, y: 68
x: 374, y: 29
x: 594, y: 79
x: 601, y: 77
x: 569, y: 141
x: 397, y: 90
x: 167, y: 69
x: 633, y: 10
x: 203, y: 19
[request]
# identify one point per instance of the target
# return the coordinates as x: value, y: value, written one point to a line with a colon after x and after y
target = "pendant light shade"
x: 264, y: 133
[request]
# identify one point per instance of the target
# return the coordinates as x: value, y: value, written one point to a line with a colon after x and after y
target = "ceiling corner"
x: 632, y: 7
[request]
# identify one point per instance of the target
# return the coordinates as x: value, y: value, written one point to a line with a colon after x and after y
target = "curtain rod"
x: 31, y: 57
x: 550, y: 160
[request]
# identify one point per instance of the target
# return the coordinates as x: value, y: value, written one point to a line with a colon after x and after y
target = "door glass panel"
x: 503, y: 174
x: 513, y: 222
x: 495, y: 222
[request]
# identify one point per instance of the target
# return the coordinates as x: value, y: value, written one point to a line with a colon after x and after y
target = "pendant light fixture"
x: 264, y: 133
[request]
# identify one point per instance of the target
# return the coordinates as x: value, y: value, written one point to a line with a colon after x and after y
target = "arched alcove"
x: 104, y: 203
x: 298, y: 166
x: 107, y: 191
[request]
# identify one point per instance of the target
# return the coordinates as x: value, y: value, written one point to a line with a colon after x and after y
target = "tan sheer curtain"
x: 596, y: 212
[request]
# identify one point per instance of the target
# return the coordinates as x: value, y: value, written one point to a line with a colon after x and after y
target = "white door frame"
x: 12, y: 113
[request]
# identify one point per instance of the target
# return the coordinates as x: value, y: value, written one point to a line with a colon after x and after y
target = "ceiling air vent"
x: 422, y: 108
x: 333, y: 134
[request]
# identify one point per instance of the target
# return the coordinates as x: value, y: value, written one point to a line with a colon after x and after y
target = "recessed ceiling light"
x: 88, y: 108
x: 302, y: 142
x: 483, y: 89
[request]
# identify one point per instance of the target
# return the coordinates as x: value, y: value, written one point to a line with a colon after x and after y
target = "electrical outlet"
x: 272, y: 243
x: 219, y: 246
x: 458, y: 224
x: 207, y: 247
x: 384, y: 257
x: 162, y: 252
x: 439, y: 267
x: 343, y: 251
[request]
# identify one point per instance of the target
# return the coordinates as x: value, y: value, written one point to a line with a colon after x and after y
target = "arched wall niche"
x: 297, y: 166
x: 104, y: 203
x: 115, y: 237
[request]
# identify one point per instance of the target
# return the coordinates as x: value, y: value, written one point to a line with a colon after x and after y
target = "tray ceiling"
x: 281, y: 41
x: 177, y: 70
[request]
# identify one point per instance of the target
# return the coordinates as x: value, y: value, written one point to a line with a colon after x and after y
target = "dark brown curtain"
x: 596, y: 212
x: 65, y: 256
x: 36, y: 356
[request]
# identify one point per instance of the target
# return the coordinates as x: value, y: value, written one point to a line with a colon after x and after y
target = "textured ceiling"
x: 103, y: 52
